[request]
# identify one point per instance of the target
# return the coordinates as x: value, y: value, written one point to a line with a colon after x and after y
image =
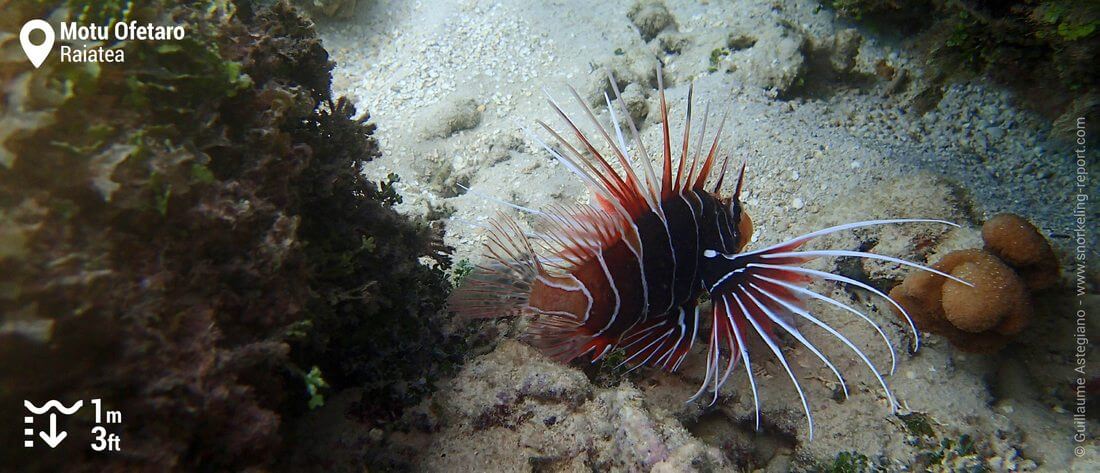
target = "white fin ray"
x: 863, y: 254
x: 841, y: 305
x: 647, y: 163
x: 632, y: 183
x: 847, y: 280
x: 797, y: 335
x: 838, y: 228
x: 782, y: 360
x: 859, y: 353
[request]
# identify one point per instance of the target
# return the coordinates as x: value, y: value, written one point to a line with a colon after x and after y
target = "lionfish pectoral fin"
x: 661, y: 342
x: 564, y: 338
x: 500, y: 286
x: 757, y: 291
x: 778, y: 267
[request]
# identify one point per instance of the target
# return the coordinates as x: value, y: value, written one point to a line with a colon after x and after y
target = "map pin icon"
x: 36, y: 52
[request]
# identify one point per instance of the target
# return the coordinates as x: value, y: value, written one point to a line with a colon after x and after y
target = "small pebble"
x: 376, y: 435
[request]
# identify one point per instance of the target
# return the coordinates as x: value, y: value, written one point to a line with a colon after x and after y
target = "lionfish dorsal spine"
x: 625, y: 272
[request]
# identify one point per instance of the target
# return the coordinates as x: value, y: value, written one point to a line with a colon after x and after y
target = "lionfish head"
x: 755, y: 294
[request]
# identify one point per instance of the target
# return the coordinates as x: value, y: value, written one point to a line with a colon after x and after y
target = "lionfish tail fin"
x: 500, y: 286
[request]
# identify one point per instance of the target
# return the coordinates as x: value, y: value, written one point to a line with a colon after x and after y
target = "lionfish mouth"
x: 625, y: 272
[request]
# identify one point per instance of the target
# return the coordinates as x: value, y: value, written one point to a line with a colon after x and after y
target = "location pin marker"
x: 36, y: 52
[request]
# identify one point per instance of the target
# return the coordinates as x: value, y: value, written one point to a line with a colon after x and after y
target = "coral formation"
x: 997, y: 301
x: 987, y: 315
x: 980, y: 318
x: 175, y: 224
x: 1017, y: 242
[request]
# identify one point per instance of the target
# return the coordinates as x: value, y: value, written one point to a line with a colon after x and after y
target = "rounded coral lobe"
x: 1015, y: 240
x: 998, y: 296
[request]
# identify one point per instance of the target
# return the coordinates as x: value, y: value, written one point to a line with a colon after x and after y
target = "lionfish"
x: 627, y: 271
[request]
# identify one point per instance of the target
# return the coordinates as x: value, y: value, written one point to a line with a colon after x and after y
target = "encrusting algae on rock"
x: 187, y: 237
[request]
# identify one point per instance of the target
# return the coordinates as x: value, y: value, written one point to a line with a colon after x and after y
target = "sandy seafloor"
x: 830, y: 134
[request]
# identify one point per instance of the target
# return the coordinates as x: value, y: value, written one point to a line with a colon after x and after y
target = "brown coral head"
x: 977, y: 318
x: 1013, y: 239
x: 997, y: 301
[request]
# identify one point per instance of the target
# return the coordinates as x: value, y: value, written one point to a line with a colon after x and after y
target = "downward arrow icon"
x: 54, y: 438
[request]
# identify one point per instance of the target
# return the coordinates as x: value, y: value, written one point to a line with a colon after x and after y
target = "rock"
x: 650, y: 16
x: 642, y: 438
x: 445, y: 179
x: 634, y: 66
x: 450, y: 116
x: 673, y: 43
x: 1086, y: 105
x: 775, y: 61
x: 500, y: 149
x: 517, y: 407
x: 636, y: 103
x: 510, y: 374
x: 844, y: 49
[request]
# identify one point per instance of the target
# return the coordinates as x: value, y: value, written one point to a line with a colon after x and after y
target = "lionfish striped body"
x: 627, y: 271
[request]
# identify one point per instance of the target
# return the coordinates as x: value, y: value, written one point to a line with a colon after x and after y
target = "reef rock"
x: 650, y: 16
x: 515, y: 407
x: 776, y: 59
x: 450, y: 116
